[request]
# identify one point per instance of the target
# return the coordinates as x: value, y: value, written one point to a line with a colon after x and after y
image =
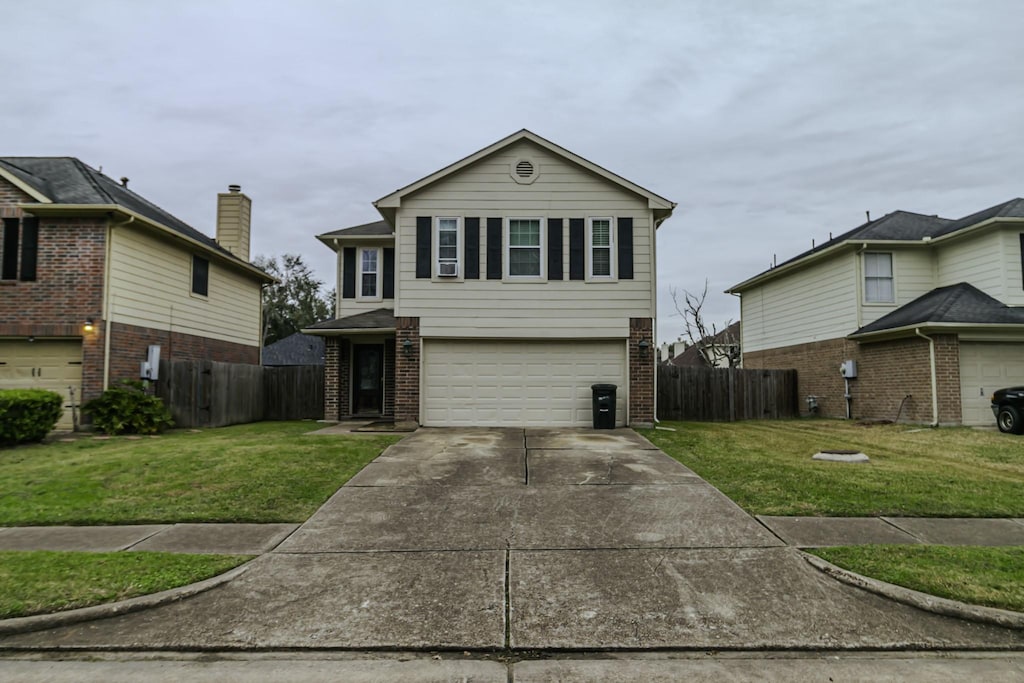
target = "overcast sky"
x: 769, y: 122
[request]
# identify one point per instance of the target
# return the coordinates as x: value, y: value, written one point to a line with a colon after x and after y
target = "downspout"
x: 108, y: 298
x: 935, y: 395
x: 654, y: 322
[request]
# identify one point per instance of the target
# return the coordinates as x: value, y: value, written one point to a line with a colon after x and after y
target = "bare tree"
x: 717, y: 348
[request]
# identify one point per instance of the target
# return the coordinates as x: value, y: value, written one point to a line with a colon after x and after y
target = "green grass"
x: 261, y: 472
x: 766, y: 467
x: 993, y: 577
x: 42, y: 582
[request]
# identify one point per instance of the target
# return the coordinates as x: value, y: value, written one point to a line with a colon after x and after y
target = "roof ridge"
x: 86, y: 171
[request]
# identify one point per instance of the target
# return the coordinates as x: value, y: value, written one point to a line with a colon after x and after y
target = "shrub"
x: 28, y: 414
x: 128, y: 409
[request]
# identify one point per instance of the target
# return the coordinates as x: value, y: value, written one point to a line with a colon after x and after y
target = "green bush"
x: 128, y: 409
x: 28, y: 414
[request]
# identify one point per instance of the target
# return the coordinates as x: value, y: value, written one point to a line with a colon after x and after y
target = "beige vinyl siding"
x: 977, y: 260
x: 814, y: 304
x: 540, y: 309
x: 1013, y: 294
x: 346, y: 307
x: 151, y: 286
x: 913, y: 275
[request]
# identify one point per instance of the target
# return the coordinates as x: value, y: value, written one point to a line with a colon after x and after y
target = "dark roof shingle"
x: 381, y: 318
x: 959, y: 303
x: 377, y: 228
x: 295, y: 349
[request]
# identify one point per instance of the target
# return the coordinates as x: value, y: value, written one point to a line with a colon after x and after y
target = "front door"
x: 368, y: 379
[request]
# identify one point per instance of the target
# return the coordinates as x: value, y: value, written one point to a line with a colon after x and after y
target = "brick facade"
x: 334, y: 349
x: 641, y: 372
x: 407, y: 370
x: 889, y: 373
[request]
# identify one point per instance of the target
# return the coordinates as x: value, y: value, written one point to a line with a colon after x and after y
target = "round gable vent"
x: 524, y: 171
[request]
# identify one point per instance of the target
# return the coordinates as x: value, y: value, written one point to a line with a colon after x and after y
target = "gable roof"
x: 295, y: 349
x: 691, y: 356
x: 376, y: 231
x: 959, y: 304
x: 662, y: 207
x: 60, y: 181
x: 377, y: 320
x: 898, y: 226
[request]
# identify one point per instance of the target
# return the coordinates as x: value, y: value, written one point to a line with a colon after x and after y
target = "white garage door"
x: 985, y: 367
x: 528, y: 383
x: 55, y: 365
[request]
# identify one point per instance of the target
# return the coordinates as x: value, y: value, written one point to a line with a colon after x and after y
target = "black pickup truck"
x: 1008, y: 406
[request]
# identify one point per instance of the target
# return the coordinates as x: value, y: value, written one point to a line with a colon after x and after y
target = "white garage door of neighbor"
x: 514, y: 384
x: 985, y: 367
x: 53, y: 364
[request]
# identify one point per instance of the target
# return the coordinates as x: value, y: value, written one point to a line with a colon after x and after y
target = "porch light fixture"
x: 407, y: 347
x: 88, y: 327
x: 644, y: 346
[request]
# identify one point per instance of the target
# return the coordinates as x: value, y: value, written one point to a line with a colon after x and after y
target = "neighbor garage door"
x: 985, y: 367
x: 530, y: 383
x: 55, y: 365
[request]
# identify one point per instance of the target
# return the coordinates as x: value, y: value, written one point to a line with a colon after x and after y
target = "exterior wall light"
x: 88, y: 327
x: 407, y: 347
x: 644, y: 346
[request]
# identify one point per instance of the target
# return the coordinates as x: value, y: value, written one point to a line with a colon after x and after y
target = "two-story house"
x: 92, y: 274
x: 495, y: 292
x: 930, y: 309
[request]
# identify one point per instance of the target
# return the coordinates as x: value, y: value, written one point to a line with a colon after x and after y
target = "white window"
x: 525, y: 250
x: 447, y: 247
x: 369, y: 274
x: 599, y: 240
x: 878, y: 286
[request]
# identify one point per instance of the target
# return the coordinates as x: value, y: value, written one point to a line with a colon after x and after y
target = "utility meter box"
x: 848, y: 369
x: 150, y: 369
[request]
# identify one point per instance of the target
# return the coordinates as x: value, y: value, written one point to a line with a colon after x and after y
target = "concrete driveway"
x: 488, y: 539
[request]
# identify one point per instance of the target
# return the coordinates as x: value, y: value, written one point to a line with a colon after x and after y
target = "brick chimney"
x: 234, y: 211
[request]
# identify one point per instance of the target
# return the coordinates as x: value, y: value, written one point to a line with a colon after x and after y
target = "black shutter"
x: 625, y: 248
x: 29, y: 247
x: 423, y: 244
x: 200, y: 275
x: 554, y: 248
x: 348, y: 273
x: 577, y: 249
x: 493, y: 248
x: 9, y: 268
x: 389, y: 273
x: 472, y: 248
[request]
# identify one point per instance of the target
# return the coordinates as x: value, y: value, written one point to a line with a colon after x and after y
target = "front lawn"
x: 766, y: 467
x: 993, y: 577
x: 42, y: 582
x: 261, y: 472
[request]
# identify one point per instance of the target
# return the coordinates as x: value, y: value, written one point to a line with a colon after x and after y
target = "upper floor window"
x: 200, y: 275
x: 599, y: 237
x: 878, y: 282
x: 524, y: 247
x: 20, y: 237
x: 447, y: 247
x: 369, y: 273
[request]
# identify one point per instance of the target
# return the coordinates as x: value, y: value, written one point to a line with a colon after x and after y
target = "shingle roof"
x: 381, y: 318
x: 691, y: 356
x: 295, y: 349
x: 66, y: 180
x: 1011, y: 209
x: 376, y: 228
x: 959, y: 303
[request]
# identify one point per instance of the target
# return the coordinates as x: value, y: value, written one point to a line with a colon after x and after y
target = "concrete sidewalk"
x: 549, y: 469
x: 517, y: 541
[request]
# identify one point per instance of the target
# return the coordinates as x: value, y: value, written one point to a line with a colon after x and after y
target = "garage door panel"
x: 985, y: 367
x: 50, y: 364
x: 504, y: 383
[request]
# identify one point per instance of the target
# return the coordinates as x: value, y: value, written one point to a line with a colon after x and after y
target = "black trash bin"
x: 604, y: 405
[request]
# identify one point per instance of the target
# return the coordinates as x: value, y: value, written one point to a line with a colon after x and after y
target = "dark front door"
x: 368, y: 384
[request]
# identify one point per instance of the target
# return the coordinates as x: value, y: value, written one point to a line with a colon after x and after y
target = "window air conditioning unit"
x: 448, y: 269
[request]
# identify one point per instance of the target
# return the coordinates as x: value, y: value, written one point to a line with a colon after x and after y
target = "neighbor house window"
x: 447, y: 247
x: 200, y: 276
x: 878, y: 287
x: 524, y: 247
x: 600, y: 238
x: 369, y: 273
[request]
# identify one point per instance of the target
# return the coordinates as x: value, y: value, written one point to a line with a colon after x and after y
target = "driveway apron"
x: 487, y: 539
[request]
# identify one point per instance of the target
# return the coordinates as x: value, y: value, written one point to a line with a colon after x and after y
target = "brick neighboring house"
x: 91, y: 274
x: 721, y: 350
x: 495, y: 292
x: 931, y: 309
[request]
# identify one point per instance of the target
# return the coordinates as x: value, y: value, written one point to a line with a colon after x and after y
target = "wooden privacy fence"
x: 725, y: 394
x: 210, y: 394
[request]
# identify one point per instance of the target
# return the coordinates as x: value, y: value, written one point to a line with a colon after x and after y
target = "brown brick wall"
x: 407, y: 370
x: 332, y: 366
x: 641, y: 372
x: 887, y: 373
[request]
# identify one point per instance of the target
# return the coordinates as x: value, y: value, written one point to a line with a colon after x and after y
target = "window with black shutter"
x: 29, y: 248
x: 9, y: 265
x: 200, y: 276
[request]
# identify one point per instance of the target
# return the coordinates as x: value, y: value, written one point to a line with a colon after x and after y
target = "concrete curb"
x: 923, y: 601
x: 41, y: 622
